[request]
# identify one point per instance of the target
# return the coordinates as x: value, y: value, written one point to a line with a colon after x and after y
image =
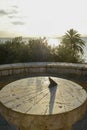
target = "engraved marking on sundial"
x: 42, y: 95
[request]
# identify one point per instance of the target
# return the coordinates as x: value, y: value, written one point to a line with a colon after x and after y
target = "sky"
x: 42, y: 17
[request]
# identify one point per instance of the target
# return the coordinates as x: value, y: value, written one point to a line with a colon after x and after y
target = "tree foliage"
x: 38, y: 50
x: 18, y: 51
x: 71, y: 47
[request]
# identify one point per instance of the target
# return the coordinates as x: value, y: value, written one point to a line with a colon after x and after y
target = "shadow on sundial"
x: 52, y: 88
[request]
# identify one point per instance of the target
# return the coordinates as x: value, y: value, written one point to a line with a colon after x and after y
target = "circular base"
x: 43, y: 103
x: 42, y: 96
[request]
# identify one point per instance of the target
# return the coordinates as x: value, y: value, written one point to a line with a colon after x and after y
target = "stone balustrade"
x: 44, y: 68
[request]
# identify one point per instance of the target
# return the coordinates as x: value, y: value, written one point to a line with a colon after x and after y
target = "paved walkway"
x: 80, y: 125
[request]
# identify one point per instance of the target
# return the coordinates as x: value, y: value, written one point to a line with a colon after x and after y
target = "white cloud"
x: 46, y: 17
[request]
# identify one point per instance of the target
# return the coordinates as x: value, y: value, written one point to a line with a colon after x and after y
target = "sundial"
x: 44, y: 97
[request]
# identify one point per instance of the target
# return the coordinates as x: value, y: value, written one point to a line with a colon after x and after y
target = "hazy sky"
x: 42, y: 17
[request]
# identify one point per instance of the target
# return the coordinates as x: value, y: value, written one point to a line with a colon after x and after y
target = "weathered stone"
x: 44, y: 67
x: 38, y: 104
x: 4, y: 73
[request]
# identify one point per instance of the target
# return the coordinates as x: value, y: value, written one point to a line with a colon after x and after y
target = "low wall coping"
x: 43, y: 64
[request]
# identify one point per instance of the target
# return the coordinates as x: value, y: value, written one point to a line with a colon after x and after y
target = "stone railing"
x: 43, y: 68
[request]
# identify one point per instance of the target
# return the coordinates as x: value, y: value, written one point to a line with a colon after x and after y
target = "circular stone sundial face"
x: 42, y: 95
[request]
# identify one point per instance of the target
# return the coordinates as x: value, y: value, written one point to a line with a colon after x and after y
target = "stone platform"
x: 74, y: 72
x: 71, y: 103
x: 80, y: 125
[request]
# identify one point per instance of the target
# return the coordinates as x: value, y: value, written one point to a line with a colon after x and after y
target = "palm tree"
x: 73, y: 43
x: 72, y: 39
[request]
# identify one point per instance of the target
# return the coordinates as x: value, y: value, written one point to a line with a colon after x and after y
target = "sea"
x: 54, y: 42
x: 85, y: 49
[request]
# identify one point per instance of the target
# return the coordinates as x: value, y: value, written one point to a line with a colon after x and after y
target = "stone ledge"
x: 43, y: 67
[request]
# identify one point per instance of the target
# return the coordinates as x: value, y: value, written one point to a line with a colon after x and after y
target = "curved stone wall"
x: 8, y: 72
x: 44, y: 68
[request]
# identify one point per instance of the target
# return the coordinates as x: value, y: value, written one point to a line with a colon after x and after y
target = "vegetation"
x: 71, y: 47
x: 38, y: 50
